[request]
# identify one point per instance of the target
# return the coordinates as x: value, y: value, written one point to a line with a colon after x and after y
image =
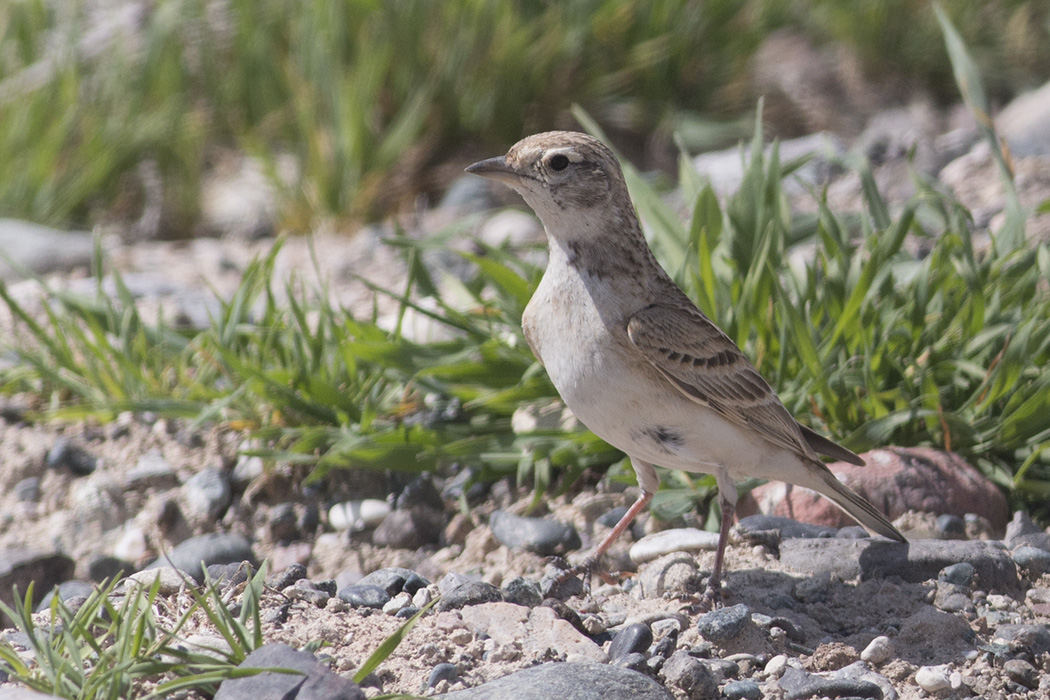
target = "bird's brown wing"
x: 707, y: 366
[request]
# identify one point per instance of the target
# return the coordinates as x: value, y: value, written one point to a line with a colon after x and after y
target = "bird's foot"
x: 565, y: 582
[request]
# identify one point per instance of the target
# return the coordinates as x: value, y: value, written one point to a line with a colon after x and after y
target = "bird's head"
x: 558, y: 173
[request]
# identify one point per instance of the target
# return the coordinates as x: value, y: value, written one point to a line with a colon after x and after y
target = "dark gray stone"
x: 213, y: 548
x: 522, y: 591
x: 65, y: 454
x: 539, y: 535
x: 913, y: 561
x: 1032, y: 560
x: 725, y: 624
x: 420, y: 492
x: 66, y: 590
x: 959, y: 574
x: 566, y: 681
x: 410, y: 529
x: 282, y: 579
x: 443, y: 672
x: 631, y: 639
x: 395, y: 579
x: 151, y: 471
x: 232, y: 574
x: 283, y: 523
x: 690, y: 675
x: 750, y: 526
x: 106, y: 568
x: 207, y: 494
x: 1020, y: 671
x: 317, y: 683
x: 635, y: 662
x: 20, y: 567
x: 951, y: 527
x: 742, y: 690
x: 817, y: 687
x: 612, y: 517
x: 470, y: 593
x: 364, y: 596
x: 1035, y: 639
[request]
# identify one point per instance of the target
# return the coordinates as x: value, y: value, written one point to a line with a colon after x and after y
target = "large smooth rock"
x: 20, y: 567
x: 915, y: 562
x: 213, y: 548
x: 316, y: 683
x: 568, y: 681
x: 41, y: 250
x: 1025, y: 122
x: 539, y: 535
x: 897, y: 479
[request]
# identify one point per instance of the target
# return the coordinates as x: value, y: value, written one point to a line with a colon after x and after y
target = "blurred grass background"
x: 371, y: 97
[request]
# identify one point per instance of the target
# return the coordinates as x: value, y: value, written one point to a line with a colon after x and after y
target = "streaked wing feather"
x: 707, y: 366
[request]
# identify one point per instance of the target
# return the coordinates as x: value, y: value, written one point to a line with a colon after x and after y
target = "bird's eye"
x: 559, y: 162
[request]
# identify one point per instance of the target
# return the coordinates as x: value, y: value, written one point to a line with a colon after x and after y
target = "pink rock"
x: 895, y: 480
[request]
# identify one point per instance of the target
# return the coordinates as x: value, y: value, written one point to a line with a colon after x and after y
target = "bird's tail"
x: 856, y: 507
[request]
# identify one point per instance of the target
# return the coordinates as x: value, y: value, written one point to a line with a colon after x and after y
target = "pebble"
x: 282, y: 523
x: 776, y: 666
x: 683, y: 539
x: 538, y: 535
x: 1033, y: 638
x: 611, y: 517
x: 358, y: 515
x: 742, y: 690
x: 364, y: 596
x: 932, y: 679
x: 960, y: 574
x: 878, y: 651
x: 631, y: 639
x: 171, y: 579
x: 689, y: 675
x: 1020, y: 671
x: 1032, y: 560
x: 410, y: 529
x: 757, y: 527
x: 282, y: 579
x: 397, y: 603
x: 213, y: 548
x: 443, y: 672
x: 522, y: 591
x: 307, y: 595
x: 567, y: 681
x: 73, y: 457
x: 319, y: 681
x: 394, y: 579
x: 206, y: 495
x: 469, y: 593
x: 67, y: 590
x: 950, y: 527
x: 672, y: 573
x: 151, y: 471
x: 419, y: 492
x: 27, y: 490
x: 635, y: 661
x: 422, y: 598
x: 725, y: 624
x: 1020, y: 525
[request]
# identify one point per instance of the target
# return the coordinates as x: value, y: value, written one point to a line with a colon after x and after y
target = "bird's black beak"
x: 495, y: 169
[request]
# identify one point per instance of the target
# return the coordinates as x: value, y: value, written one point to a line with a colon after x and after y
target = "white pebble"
x: 422, y: 598
x: 932, y: 679
x: 358, y: 515
x: 682, y: 539
x: 955, y: 680
x: 879, y: 650
x: 401, y: 600
x: 1000, y: 602
x: 775, y: 667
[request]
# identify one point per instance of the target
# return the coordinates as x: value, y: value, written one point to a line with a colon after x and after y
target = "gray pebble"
x: 725, y: 624
x: 443, y: 672
x: 394, y: 580
x: 631, y: 639
x: 878, y: 651
x: 28, y: 490
x: 470, y: 593
x: 1020, y: 671
x: 213, y: 548
x: 567, y: 681
x: 522, y: 591
x: 612, y: 517
x: 960, y: 574
x: 72, y: 457
x: 410, y: 529
x: 282, y: 523
x: 364, y: 596
x: 282, y: 579
x: 752, y: 525
x: 1032, y: 560
x: 1033, y: 638
x: 635, y: 662
x: 951, y: 527
x: 742, y: 690
x: 539, y: 535
x: 67, y: 590
x: 320, y: 683
x: 206, y: 495
x: 689, y: 675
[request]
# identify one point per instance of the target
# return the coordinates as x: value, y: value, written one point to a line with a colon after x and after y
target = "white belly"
x: 624, y: 400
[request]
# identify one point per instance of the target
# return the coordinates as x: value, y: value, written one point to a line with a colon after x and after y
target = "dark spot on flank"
x: 666, y: 438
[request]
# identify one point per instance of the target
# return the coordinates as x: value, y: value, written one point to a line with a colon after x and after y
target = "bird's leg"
x: 591, y: 562
x: 727, y: 497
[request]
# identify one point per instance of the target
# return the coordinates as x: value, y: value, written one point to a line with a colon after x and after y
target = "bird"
x: 635, y: 359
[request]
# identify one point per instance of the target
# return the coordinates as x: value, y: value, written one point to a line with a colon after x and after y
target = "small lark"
x: 634, y: 358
